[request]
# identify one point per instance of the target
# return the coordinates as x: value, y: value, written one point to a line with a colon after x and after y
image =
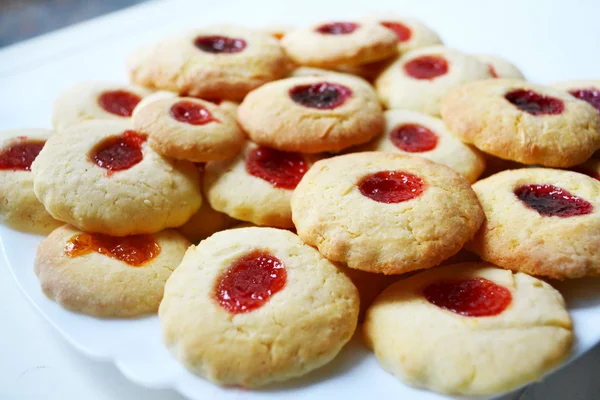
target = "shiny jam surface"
x: 219, y: 44
x: 250, y: 282
x: 121, y: 152
x: 552, y: 201
x: 19, y: 155
x: 470, y: 298
x: 426, y: 67
x: 592, y: 96
x: 321, y: 95
x: 492, y: 71
x: 282, y: 169
x: 413, y: 138
x: 535, y: 103
x: 191, y: 113
x: 402, y: 31
x: 119, y: 102
x: 134, y: 250
x: 337, y: 28
x: 391, y: 186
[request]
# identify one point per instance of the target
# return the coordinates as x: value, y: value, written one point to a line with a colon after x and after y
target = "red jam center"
x: 280, y: 168
x: 402, y: 31
x: 426, y: 67
x: 134, y: 250
x: 413, y: 138
x: 321, y: 95
x: 250, y: 282
x: 552, y: 201
x: 470, y: 298
x: 19, y: 156
x: 492, y: 71
x: 191, y: 113
x: 119, y: 102
x: 592, y: 96
x: 391, y: 186
x: 220, y: 44
x: 535, y: 103
x: 337, y: 28
x: 121, y: 152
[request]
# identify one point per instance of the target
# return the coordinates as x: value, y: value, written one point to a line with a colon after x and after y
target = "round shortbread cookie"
x: 227, y: 105
x: 96, y: 100
x: 499, y: 67
x: 189, y: 129
x: 312, y: 114
x: 421, y: 78
x: 311, y: 71
x: 19, y: 208
x: 586, y: 90
x: 100, y: 176
x: 257, y: 185
x: 523, y: 122
x: 106, y: 276
x: 385, y: 212
x: 540, y: 221
x: 223, y: 62
x: 413, y: 133
x: 411, y: 33
x: 469, y: 329
x: 340, y: 43
x: 251, y: 306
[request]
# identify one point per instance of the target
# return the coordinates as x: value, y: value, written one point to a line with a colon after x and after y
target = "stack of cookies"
x: 313, y: 168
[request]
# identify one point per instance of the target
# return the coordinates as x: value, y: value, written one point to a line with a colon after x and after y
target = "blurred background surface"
x: 24, y: 19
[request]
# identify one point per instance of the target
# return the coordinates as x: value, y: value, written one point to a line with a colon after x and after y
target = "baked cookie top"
x: 251, y: 306
x: 385, y: 212
x: 189, y: 129
x: 469, y: 329
x: 499, y: 67
x: 224, y: 62
x: 96, y: 100
x: 414, y: 133
x: 540, y: 221
x: 102, y: 176
x: 411, y: 33
x: 312, y: 114
x: 256, y: 186
x: 19, y: 208
x: 586, y: 90
x: 420, y: 78
x: 107, y: 276
x: 523, y: 122
x: 330, y: 44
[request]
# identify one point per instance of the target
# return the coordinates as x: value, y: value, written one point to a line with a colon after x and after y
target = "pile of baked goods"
x: 316, y: 170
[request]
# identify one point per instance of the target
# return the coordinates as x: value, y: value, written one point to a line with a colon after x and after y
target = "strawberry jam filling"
x: 191, y: 113
x: 470, y: 298
x: 321, y: 95
x: 219, y: 44
x: 250, y: 282
x: 337, y: 28
x: 535, y: 103
x: 391, y: 186
x: 118, y: 153
x: 134, y: 250
x: 20, y: 155
x: 413, y: 138
x: 426, y: 67
x: 592, y: 96
x: 280, y: 168
x: 552, y: 201
x: 119, y: 102
x: 402, y: 31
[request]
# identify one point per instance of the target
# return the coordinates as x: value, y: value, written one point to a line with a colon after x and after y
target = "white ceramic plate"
x: 34, y: 73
